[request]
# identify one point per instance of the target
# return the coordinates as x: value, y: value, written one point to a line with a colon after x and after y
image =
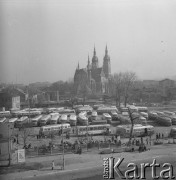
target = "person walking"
x: 156, y: 136
x: 53, y: 165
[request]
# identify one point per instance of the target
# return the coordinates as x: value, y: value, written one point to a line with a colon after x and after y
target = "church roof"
x: 97, y: 73
x: 79, y: 71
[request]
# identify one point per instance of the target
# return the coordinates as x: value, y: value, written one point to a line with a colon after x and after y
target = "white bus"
x: 54, y: 118
x: 12, y: 121
x: 4, y: 114
x: 107, y: 117
x: 94, y: 116
x: 142, y: 109
x: 44, y: 120
x: 173, y: 132
x: 35, y: 120
x: 23, y: 121
x: 93, y: 129
x: 171, y: 115
x: 106, y: 109
x: 85, y: 108
x: 82, y: 119
x: 54, y: 129
x: 68, y: 112
x: 73, y: 120
x: 3, y: 120
x: 138, y: 130
x: 63, y: 119
x: 152, y: 115
x: 144, y: 114
x: 114, y: 115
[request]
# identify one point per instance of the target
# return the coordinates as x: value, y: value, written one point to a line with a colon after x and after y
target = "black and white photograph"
x: 87, y: 89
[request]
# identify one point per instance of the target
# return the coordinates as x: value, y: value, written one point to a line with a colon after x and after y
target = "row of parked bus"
x: 99, y: 129
x: 58, y: 129
x: 165, y: 118
x: 86, y: 115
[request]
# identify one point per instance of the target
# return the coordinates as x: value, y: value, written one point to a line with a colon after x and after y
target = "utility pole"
x: 29, y: 106
x: 63, y: 157
x: 9, y: 144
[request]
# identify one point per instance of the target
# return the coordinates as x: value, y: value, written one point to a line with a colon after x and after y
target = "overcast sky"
x: 43, y: 40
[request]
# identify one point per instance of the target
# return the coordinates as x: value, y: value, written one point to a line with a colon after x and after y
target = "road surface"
x: 96, y: 173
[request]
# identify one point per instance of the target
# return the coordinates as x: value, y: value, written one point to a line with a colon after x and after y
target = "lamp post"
x: 63, y: 158
x: 87, y: 134
x: 9, y: 144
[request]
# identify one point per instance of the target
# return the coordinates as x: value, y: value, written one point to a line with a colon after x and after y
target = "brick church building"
x: 94, y: 78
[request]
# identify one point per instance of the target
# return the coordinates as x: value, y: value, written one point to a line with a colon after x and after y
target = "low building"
x: 5, y: 142
x: 166, y: 83
x: 167, y: 88
x: 8, y: 94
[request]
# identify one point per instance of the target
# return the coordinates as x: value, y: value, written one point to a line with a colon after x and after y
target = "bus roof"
x: 106, y: 108
x: 96, y: 125
x: 73, y: 117
x: 55, y: 117
x: 23, y: 118
x: 106, y: 115
x: 45, y: 117
x: 64, y: 117
x: 4, y: 112
x: 136, y: 126
x: 37, y: 118
x: 94, y: 113
x: 54, y: 125
x: 12, y: 120
x: 2, y: 120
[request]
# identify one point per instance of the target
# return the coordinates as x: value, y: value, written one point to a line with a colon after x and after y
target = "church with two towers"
x: 93, y: 77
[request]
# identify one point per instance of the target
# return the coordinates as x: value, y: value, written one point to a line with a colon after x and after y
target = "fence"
x: 90, y: 146
x: 69, y: 148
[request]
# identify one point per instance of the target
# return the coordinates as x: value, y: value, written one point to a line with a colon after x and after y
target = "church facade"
x: 94, y: 78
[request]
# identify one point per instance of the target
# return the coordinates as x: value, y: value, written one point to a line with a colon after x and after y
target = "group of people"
x: 159, y: 136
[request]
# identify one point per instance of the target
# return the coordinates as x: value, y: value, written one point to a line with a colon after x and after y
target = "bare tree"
x: 128, y: 82
x: 25, y: 134
x: 117, y: 81
x: 122, y: 85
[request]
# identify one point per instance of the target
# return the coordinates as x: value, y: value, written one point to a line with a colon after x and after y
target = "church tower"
x: 106, y: 64
x: 89, y: 71
x: 94, y: 60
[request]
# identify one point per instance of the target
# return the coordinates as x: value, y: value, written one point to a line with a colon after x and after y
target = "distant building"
x: 5, y: 141
x: 7, y: 94
x: 150, y: 83
x: 93, y: 77
x: 168, y: 89
x: 166, y: 83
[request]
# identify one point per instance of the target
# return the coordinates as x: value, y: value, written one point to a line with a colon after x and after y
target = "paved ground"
x: 81, y: 166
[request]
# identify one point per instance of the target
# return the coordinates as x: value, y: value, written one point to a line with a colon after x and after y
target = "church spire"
x: 106, y: 63
x: 94, y: 59
x: 88, y: 59
x: 106, y: 50
x: 94, y: 50
x: 88, y: 63
x: 78, y: 65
